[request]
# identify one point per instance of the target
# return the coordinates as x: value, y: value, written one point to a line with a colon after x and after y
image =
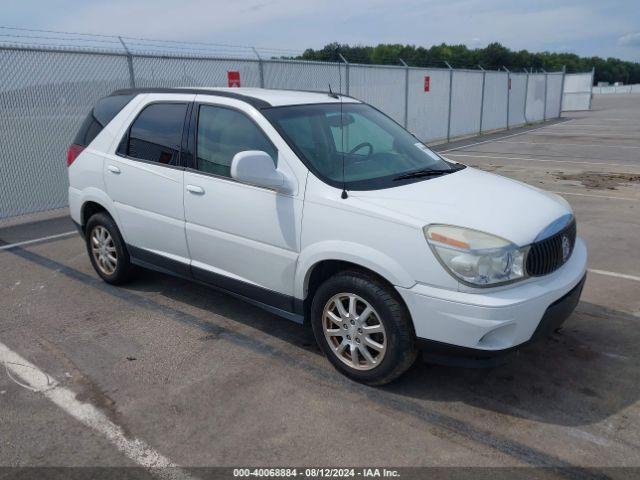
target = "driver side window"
x: 361, y: 131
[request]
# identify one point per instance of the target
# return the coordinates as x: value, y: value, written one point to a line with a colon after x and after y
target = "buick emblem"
x: 566, y: 248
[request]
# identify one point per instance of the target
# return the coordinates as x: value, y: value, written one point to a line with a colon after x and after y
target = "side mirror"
x: 256, y: 168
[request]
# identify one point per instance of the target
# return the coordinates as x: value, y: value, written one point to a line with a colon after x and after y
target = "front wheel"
x: 363, y: 327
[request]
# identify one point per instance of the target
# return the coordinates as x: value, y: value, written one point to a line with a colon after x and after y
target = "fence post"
x: 406, y: 93
x: 132, y: 78
x: 564, y: 73
x: 593, y: 72
x: 526, y: 95
x: 508, y: 93
x: 260, y: 66
x: 346, y: 68
x: 484, y: 77
x: 544, y: 110
x: 450, y: 96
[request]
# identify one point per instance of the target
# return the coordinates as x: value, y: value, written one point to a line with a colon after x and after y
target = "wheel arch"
x: 90, y: 208
x: 95, y: 201
x: 323, y: 260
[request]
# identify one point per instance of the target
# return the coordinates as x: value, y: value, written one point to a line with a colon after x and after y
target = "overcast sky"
x: 586, y: 27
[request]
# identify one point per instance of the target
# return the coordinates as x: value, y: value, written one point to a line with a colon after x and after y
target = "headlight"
x: 476, y: 258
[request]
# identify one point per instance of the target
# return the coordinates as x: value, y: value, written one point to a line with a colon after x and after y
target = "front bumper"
x: 491, y: 323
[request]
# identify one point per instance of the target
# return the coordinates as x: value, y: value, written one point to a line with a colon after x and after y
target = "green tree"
x: 493, y: 56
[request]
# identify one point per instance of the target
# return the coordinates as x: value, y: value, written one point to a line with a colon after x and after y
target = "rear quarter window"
x: 99, y: 116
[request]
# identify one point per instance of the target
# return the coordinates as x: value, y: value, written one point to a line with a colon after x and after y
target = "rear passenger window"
x: 99, y: 116
x: 156, y: 134
x: 223, y: 132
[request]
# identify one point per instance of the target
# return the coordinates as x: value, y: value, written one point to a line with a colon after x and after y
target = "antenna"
x: 344, y: 190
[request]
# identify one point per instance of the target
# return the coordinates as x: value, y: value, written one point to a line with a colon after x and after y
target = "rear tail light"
x: 73, y: 152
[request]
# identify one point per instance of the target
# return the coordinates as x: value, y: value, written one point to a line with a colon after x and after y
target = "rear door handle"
x: 113, y: 169
x: 195, y: 189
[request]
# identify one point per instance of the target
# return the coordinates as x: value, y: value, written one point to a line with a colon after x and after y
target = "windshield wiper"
x: 424, y: 173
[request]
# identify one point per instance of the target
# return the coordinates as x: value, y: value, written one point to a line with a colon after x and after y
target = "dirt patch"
x: 487, y: 167
x: 87, y: 391
x: 605, y: 181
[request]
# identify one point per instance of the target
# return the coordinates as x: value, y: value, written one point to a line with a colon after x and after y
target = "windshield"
x: 377, y: 152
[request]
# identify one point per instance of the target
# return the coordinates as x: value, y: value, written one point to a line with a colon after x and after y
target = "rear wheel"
x: 107, y: 250
x: 363, y: 327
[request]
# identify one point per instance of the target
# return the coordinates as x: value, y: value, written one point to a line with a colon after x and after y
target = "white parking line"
x: 601, y: 125
x: 583, y: 134
x: 614, y: 274
x: 38, y: 381
x: 36, y: 240
x: 538, y: 160
x: 506, y: 136
x: 564, y: 144
x: 601, y: 119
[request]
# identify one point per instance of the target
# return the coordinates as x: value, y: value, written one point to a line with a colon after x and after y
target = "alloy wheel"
x: 354, y: 331
x: 104, y: 250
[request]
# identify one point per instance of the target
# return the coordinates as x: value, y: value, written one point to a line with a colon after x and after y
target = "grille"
x: 546, y: 256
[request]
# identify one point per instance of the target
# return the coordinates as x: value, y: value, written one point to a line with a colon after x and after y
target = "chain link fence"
x: 576, y: 93
x: 47, y: 90
x: 607, y: 89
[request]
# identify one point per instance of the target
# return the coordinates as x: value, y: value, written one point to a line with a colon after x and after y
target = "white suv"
x: 321, y: 209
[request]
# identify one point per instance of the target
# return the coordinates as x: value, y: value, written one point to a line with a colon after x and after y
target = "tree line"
x: 494, y: 56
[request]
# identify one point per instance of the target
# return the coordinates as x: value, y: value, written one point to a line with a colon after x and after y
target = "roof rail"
x: 255, y: 102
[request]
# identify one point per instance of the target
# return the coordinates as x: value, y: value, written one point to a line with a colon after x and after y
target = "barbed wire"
x: 31, y: 37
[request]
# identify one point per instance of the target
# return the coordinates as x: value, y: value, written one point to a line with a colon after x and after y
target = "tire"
x: 387, y: 310
x: 113, y: 247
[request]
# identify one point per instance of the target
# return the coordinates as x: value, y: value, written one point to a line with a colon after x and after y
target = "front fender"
x: 361, y: 255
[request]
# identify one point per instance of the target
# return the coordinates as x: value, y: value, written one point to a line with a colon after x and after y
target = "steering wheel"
x: 362, y: 145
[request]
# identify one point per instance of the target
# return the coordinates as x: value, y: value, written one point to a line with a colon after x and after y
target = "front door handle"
x: 195, y: 189
x: 113, y: 169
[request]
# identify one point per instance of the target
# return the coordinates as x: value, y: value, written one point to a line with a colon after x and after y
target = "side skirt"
x: 284, y: 306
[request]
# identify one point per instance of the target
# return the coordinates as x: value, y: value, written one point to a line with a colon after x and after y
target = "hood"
x: 474, y: 199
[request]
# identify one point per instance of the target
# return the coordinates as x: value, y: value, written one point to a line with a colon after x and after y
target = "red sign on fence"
x: 427, y: 82
x: 233, y: 78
